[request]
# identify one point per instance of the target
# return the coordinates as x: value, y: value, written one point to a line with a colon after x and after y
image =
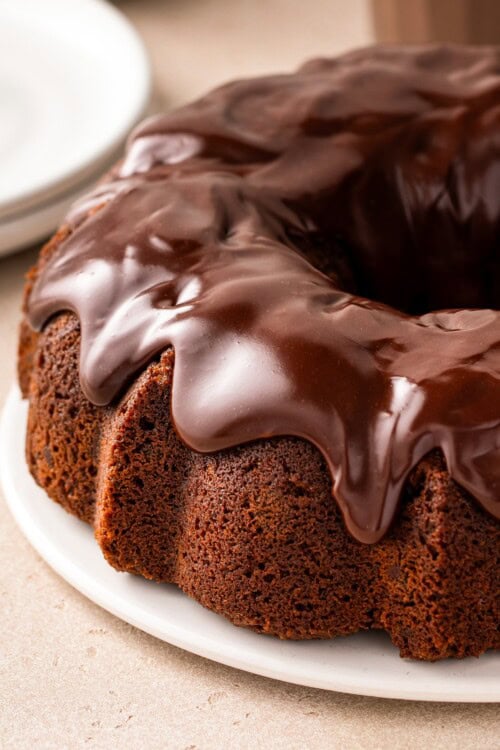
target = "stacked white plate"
x: 74, y: 79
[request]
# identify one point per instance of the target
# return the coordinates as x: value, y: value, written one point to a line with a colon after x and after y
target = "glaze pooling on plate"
x: 290, y: 237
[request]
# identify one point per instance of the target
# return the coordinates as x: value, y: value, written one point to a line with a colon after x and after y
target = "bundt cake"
x: 262, y: 358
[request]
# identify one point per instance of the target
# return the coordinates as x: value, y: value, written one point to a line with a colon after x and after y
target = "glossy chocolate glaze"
x: 269, y: 231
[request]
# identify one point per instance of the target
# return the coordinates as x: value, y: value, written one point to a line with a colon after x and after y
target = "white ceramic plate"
x: 37, y: 224
x: 364, y: 664
x: 74, y: 79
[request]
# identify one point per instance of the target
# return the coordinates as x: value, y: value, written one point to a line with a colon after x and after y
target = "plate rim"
x: 65, y: 179
x: 36, y: 225
x: 202, y: 645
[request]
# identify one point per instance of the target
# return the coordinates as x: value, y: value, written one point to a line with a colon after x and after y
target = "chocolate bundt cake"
x: 263, y: 357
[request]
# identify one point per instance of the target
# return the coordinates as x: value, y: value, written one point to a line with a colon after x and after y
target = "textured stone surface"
x: 71, y: 675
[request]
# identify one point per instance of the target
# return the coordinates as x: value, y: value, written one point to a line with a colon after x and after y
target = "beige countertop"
x: 72, y: 675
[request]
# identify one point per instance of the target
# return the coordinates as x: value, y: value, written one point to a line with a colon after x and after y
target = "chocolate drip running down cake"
x: 320, y: 255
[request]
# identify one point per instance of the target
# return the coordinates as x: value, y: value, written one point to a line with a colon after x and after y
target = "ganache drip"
x: 290, y: 237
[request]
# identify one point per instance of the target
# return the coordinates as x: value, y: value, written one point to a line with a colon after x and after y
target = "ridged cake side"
x: 319, y: 250
x: 253, y: 533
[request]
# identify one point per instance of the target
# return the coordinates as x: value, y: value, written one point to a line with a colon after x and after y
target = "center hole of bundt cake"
x: 415, y: 282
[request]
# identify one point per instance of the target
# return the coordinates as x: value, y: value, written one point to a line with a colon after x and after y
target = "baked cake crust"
x: 251, y: 530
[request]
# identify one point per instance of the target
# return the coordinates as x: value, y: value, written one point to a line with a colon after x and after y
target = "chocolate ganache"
x: 290, y: 237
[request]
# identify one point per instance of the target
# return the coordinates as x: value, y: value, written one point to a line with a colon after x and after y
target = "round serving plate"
x: 36, y: 224
x: 363, y: 664
x: 74, y: 79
